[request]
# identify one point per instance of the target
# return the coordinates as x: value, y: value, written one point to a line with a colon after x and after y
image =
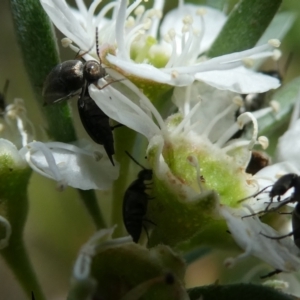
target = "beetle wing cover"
x: 63, y: 82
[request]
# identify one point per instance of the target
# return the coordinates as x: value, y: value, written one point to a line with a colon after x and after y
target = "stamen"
x: 264, y: 142
x: 186, y: 48
x: 173, y: 56
x: 274, y: 42
x: 38, y: 146
x: 119, y: 28
x: 185, y: 120
x: 139, y: 10
x: 73, y: 149
x: 242, y: 121
x: 132, y: 7
x: 22, y: 131
x: 66, y: 42
x: 104, y: 11
x: 248, y: 62
x: 227, y: 135
x: 157, y: 7
x: 187, y: 102
x: 90, y: 15
x: 275, y: 105
x: 230, y: 261
x: 174, y: 74
x: 224, y: 62
x: 218, y: 117
x: 130, y: 22
x: 5, y: 241
x: 195, y: 163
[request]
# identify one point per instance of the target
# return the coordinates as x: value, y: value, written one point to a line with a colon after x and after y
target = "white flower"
x: 83, y: 167
x: 205, y: 133
x: 129, y: 43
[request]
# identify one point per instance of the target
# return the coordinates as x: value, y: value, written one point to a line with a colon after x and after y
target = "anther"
x: 201, y: 11
x: 66, y: 42
x: 187, y: 19
x: 147, y: 23
x: 274, y: 42
x: 242, y: 120
x: 174, y: 74
x: 275, y: 105
x: 130, y: 22
x: 139, y: 10
x: 263, y: 141
x: 238, y: 100
x: 248, y: 62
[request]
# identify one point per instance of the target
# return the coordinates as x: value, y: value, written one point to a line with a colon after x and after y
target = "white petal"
x: 63, y: 18
x: 288, y: 148
x: 75, y: 168
x: 213, y: 23
x: 118, y: 107
x: 281, y: 254
x: 239, y: 80
x: 150, y: 72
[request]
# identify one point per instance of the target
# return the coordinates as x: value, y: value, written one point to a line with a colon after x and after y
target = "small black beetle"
x: 96, y: 123
x: 135, y: 203
x: 280, y: 187
x: 66, y: 80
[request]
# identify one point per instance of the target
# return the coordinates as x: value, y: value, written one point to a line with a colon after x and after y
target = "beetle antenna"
x: 97, y: 45
x: 254, y: 195
x: 135, y: 160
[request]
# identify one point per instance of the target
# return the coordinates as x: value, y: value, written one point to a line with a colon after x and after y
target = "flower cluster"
x: 194, y: 159
x: 200, y: 142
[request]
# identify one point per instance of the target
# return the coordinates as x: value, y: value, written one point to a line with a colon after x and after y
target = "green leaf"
x: 39, y: 50
x: 245, y: 25
x: 237, y: 292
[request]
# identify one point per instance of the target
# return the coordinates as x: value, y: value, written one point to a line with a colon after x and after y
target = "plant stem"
x: 124, y: 141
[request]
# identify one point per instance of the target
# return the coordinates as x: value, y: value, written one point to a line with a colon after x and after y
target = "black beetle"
x: 135, y: 203
x: 66, y: 80
x: 280, y: 187
x: 96, y: 123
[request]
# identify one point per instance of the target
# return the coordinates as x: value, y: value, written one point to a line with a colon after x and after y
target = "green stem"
x: 14, y: 179
x: 39, y: 49
x: 124, y: 140
x: 245, y: 25
x: 90, y: 201
x: 17, y: 259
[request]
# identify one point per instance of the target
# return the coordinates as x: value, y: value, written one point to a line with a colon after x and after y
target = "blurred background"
x: 57, y: 222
